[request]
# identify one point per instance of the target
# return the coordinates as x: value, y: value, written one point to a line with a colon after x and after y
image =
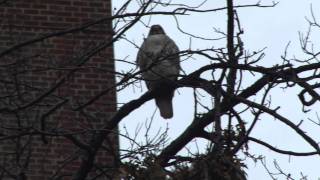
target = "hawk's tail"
x: 165, y: 106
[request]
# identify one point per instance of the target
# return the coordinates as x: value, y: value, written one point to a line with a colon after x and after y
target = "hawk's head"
x: 156, y: 29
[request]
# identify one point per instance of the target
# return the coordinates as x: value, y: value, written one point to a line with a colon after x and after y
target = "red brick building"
x: 50, y: 66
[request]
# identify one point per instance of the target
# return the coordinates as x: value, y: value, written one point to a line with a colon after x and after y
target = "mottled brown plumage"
x: 158, y: 58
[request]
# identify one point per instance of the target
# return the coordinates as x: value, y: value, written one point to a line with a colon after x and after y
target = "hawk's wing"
x: 161, y: 55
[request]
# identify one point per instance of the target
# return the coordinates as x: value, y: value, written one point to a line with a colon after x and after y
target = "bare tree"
x: 236, y: 106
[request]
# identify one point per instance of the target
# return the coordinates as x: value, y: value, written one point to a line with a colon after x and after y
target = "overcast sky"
x: 263, y: 27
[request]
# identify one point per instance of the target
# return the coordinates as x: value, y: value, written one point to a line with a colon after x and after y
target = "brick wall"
x: 43, y: 83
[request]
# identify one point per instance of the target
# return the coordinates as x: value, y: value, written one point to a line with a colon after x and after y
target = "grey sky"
x: 263, y: 27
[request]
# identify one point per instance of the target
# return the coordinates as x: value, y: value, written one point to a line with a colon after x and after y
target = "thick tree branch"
x: 232, y: 76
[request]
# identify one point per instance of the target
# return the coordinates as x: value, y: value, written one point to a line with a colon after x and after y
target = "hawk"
x: 158, y: 59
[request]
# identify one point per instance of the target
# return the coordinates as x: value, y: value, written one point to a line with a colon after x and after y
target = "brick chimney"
x: 43, y: 83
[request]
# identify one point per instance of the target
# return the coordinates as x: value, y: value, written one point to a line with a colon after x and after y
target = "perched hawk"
x: 158, y: 58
